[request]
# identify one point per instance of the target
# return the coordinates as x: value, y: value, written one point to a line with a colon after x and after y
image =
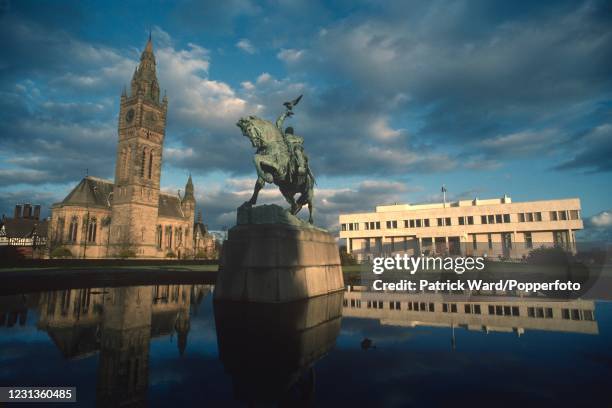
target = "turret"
x: 188, y: 202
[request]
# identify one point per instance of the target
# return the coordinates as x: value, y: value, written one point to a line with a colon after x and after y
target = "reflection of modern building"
x: 119, y: 323
x: 495, y: 227
x: 474, y: 312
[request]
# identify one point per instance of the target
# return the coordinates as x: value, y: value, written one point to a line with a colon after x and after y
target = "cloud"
x: 597, y: 227
x: 290, y: 55
x: 245, y: 45
x: 592, y: 151
x: 602, y: 220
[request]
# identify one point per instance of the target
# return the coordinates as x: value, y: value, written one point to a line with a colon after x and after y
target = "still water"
x: 169, y: 345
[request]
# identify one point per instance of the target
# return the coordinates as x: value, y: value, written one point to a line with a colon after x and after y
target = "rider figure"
x: 295, y: 144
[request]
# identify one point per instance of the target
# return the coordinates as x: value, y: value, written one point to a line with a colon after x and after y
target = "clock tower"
x: 142, y: 128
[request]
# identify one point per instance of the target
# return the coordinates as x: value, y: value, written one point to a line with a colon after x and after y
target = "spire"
x: 145, y: 78
x: 199, y: 216
x: 189, y: 190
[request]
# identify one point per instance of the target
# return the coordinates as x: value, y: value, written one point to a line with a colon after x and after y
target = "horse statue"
x: 280, y: 159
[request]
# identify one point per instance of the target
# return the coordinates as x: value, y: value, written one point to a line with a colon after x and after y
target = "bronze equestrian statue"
x: 280, y: 159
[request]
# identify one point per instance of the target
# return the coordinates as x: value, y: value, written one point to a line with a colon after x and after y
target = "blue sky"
x: 400, y: 97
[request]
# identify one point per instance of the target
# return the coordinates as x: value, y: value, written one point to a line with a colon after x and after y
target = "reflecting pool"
x: 170, y: 345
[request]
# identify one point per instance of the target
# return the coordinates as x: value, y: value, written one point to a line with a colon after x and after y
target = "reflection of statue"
x: 280, y: 159
x: 270, y: 349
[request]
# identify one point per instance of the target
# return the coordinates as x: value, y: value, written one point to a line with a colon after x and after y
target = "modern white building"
x: 493, y: 227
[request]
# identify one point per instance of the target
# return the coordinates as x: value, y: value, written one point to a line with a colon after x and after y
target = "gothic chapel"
x: 131, y: 216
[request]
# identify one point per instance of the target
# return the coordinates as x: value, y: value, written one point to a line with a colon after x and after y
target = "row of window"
x: 146, y: 159
x: 90, y: 228
x: 494, y: 310
x: 467, y: 220
x: 166, y: 236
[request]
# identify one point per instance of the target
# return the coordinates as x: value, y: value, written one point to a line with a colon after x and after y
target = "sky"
x: 400, y: 97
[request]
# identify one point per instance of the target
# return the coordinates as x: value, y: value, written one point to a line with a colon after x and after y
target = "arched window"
x: 158, y: 237
x: 150, y: 164
x: 59, y: 231
x: 143, y: 161
x: 92, y: 229
x: 74, y: 228
x: 179, y: 236
x: 126, y: 162
x: 169, y: 236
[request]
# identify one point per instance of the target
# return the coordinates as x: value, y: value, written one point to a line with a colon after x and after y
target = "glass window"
x: 498, y: 218
x: 343, y: 227
x: 537, y: 216
x: 453, y: 308
x: 483, y: 219
x: 377, y: 225
x: 506, y: 217
x: 490, y: 239
x: 491, y: 219
x: 491, y: 309
x: 530, y: 312
x: 411, y: 223
x: 515, y: 311
x: 461, y: 220
x: 445, y: 307
x: 418, y: 223
x: 528, y: 240
x: 565, y: 314
x: 477, y: 309
x: 350, y: 226
x: 521, y: 217
x: 548, y: 313
x: 563, y: 215
x: 448, y: 221
x: 426, y: 222
x: 388, y: 224
x: 474, y: 242
x: 553, y: 216
x: 529, y: 217
x: 574, y: 215
x: 394, y: 224
x: 440, y: 222
x: 470, y: 220
x: 406, y: 224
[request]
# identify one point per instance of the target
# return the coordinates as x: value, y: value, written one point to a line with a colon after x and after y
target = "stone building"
x: 130, y: 216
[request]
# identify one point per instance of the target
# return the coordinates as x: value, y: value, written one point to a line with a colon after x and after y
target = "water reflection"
x: 486, y: 313
x: 281, y: 354
x: 117, y: 323
x: 269, y: 350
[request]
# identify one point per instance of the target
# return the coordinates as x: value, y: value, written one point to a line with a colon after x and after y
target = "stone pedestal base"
x: 277, y: 258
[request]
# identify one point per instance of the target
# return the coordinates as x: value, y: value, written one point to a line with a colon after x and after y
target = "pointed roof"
x: 92, y: 192
x: 189, y: 191
x: 145, y: 76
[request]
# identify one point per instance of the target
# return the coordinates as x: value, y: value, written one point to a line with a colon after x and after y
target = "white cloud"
x: 246, y: 46
x: 602, y: 220
x: 380, y: 129
x: 290, y: 55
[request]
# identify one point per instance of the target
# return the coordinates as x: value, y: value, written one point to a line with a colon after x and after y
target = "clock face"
x: 129, y: 116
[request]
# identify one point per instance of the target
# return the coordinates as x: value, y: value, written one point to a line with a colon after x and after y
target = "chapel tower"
x: 141, y: 129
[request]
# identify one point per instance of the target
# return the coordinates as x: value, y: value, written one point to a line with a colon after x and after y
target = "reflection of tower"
x: 182, y: 327
x: 124, y: 348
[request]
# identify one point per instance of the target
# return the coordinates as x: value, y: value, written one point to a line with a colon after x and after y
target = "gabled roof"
x: 96, y: 192
x: 170, y: 206
x: 91, y: 192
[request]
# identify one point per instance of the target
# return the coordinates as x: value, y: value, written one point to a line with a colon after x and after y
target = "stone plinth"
x: 272, y: 256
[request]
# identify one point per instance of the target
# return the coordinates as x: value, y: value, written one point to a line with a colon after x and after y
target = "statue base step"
x: 277, y: 261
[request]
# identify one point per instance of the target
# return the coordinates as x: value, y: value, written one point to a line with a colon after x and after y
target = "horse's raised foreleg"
x: 258, y: 160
